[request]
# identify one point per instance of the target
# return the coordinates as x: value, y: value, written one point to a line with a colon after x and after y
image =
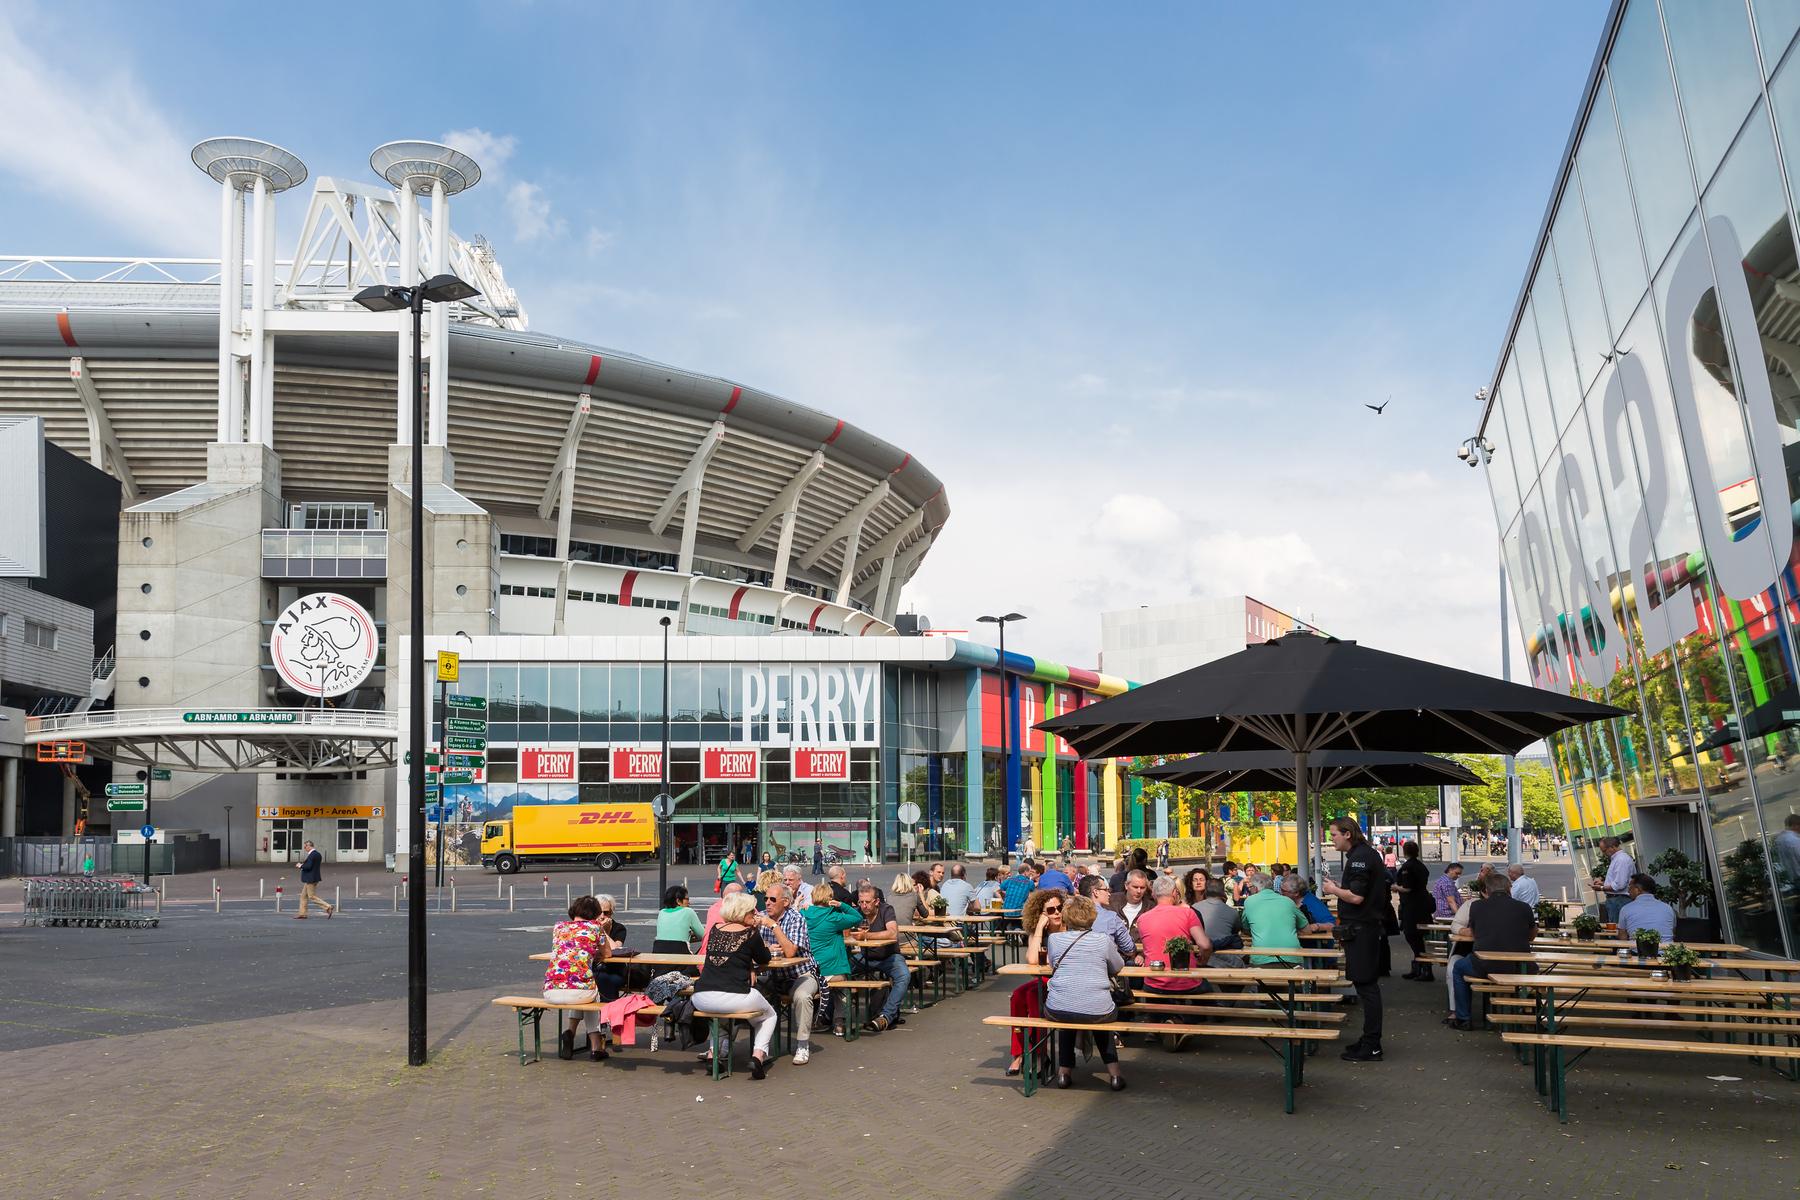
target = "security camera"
x: 1463, y: 453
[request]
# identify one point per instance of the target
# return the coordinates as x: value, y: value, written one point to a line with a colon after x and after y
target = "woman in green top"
x: 727, y: 873
x: 678, y: 927
x: 826, y: 922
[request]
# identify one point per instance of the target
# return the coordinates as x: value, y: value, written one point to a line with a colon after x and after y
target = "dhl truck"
x: 605, y: 835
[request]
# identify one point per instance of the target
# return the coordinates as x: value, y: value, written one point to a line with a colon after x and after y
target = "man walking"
x: 309, y: 881
x: 1363, y: 910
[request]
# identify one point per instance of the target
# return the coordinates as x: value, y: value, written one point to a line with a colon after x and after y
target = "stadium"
x: 256, y: 416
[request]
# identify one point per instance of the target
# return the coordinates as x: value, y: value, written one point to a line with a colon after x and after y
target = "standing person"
x: 818, y: 861
x: 1413, y: 882
x: 1363, y: 909
x: 766, y: 864
x: 1162, y: 855
x: 1615, y: 886
x: 1068, y: 850
x: 728, y: 872
x: 309, y: 881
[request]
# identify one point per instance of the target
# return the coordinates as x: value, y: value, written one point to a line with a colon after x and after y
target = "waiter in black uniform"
x: 1361, y: 918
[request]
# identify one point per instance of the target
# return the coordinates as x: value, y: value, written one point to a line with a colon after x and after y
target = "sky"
x: 1123, y: 278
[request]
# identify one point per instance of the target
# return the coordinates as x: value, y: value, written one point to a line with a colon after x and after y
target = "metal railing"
x: 103, y: 666
x: 51, y: 727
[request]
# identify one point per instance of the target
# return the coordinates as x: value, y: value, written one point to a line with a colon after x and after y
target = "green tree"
x: 1484, y: 805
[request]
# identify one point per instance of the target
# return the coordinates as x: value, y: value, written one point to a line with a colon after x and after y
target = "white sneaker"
x: 801, y: 1055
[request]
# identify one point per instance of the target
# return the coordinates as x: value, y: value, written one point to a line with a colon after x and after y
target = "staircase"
x: 100, y: 691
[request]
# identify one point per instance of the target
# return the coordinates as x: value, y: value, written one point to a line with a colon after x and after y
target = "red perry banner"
x: 730, y: 764
x: 636, y: 764
x: 821, y: 764
x: 547, y: 764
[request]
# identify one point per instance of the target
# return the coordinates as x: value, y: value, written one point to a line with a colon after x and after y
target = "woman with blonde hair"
x: 764, y: 882
x: 733, y: 951
x: 827, y: 920
x: 1079, y: 989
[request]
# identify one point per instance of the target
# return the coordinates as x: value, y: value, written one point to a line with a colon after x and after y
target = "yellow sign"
x: 449, y: 664
x: 317, y: 812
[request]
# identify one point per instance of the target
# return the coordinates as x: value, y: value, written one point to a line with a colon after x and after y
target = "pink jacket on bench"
x: 620, y: 1017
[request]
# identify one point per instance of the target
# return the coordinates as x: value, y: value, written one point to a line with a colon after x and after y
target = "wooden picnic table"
x: 673, y: 960
x: 1214, y: 974
x: 1287, y: 951
x: 1551, y: 1069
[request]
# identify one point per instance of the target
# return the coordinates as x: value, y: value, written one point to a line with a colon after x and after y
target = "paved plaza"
x: 245, y: 1054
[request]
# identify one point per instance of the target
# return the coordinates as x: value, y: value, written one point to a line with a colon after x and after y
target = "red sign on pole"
x: 730, y: 764
x: 821, y: 764
x: 548, y: 764
x: 636, y: 764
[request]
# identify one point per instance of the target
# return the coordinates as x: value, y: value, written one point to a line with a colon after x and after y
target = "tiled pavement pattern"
x: 311, y: 1096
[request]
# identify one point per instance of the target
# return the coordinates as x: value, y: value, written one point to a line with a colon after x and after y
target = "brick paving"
x: 311, y: 1096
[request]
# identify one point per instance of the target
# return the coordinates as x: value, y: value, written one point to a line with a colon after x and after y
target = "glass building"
x: 1641, y: 439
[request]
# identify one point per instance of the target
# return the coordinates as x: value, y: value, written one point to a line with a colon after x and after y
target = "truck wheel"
x: 606, y: 862
x: 506, y: 864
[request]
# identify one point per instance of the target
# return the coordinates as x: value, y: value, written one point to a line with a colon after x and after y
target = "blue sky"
x: 1121, y: 278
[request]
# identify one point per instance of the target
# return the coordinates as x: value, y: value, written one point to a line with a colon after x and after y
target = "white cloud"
x: 93, y: 139
x: 491, y: 151
x: 1129, y: 519
x: 1087, y: 384
x: 598, y: 239
x: 529, y: 210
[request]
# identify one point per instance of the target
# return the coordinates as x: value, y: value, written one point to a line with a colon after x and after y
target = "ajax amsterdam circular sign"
x: 324, y: 644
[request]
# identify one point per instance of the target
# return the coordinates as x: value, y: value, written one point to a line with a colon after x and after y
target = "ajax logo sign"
x: 324, y: 644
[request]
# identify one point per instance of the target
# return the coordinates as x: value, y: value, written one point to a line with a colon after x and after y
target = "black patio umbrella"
x: 1303, y: 693
x: 1327, y: 771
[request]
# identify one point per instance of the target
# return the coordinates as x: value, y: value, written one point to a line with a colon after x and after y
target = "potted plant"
x: 1586, y: 926
x: 1681, y: 960
x: 1549, y: 914
x: 1648, y: 941
x: 1688, y: 890
x: 1180, y: 952
x: 940, y: 907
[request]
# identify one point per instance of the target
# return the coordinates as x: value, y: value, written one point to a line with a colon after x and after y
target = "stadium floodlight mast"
x: 1005, y: 722
x: 439, y: 289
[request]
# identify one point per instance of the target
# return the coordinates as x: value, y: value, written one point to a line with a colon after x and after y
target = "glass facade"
x: 1645, y: 453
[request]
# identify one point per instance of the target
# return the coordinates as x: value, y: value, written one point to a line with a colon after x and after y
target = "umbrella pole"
x: 1302, y: 817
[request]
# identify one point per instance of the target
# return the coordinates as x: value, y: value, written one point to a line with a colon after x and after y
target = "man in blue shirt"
x: 1055, y: 877
x: 956, y: 891
x: 1015, y: 887
x: 1645, y: 911
x: 1317, y: 911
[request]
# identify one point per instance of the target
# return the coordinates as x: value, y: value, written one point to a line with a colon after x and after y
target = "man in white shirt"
x: 1615, y: 888
x: 1134, y: 899
x: 800, y: 897
x: 1524, y: 887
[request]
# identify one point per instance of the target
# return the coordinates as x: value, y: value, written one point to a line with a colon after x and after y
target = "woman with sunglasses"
x: 1042, y: 915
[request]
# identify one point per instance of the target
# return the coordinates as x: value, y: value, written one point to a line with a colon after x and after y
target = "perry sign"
x: 637, y: 764
x: 730, y: 764
x: 548, y: 764
x: 828, y: 703
x: 821, y: 764
x: 323, y: 644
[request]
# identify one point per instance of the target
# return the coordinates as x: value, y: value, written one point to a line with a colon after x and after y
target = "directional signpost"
x: 462, y: 745
x: 161, y: 774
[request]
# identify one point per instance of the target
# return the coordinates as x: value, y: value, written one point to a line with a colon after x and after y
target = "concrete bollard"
x: 278, y: 897
x: 396, y: 897
x: 568, y: 895
x: 590, y: 890
x: 217, y: 896
x: 356, y: 887
x: 510, y: 892
x: 453, y: 895
x: 546, y: 887
x: 215, y: 883
x: 159, y: 898
x: 260, y: 893
x: 499, y: 886
x: 337, y: 897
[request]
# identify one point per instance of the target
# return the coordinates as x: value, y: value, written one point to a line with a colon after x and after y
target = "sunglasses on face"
x: 1052, y: 908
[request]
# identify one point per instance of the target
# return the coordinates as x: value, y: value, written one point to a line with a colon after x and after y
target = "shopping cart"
x: 90, y: 902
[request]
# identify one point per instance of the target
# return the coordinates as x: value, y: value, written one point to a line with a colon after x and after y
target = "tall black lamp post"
x: 439, y: 289
x: 1005, y: 725
x: 663, y: 801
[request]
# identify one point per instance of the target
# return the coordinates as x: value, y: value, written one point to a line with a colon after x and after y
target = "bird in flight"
x: 1376, y: 408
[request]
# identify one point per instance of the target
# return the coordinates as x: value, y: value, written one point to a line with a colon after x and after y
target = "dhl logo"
x: 615, y: 816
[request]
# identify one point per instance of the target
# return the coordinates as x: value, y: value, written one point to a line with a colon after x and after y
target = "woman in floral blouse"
x: 579, y: 943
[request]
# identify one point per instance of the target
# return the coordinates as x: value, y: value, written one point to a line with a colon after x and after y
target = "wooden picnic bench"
x: 1550, y: 1040
x: 531, y: 1009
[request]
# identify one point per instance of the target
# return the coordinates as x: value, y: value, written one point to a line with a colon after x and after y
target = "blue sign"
x: 149, y: 831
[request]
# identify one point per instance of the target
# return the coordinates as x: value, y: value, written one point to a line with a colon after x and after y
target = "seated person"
x: 1167, y: 920
x: 575, y: 946
x: 1223, y: 923
x: 1499, y: 923
x: 1645, y: 911
x: 1275, y: 921
x: 678, y: 929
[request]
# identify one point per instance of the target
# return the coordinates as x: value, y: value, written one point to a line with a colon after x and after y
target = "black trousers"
x: 1065, y: 1038
x: 1365, y: 949
x: 1369, y: 996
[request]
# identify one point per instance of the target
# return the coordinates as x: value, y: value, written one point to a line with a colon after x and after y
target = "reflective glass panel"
x: 1553, y: 339
x: 534, y: 692
x: 1776, y: 21
x: 1654, y: 152
x: 596, y: 695
x: 503, y: 692
x: 565, y: 692
x: 1500, y: 479
x: 1715, y: 68
x: 625, y: 696
x: 1581, y: 290
x: 1611, y: 217
x: 1528, y: 373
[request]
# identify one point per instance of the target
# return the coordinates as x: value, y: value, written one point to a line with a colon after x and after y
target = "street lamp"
x: 439, y: 289
x: 1005, y: 725
x: 662, y: 799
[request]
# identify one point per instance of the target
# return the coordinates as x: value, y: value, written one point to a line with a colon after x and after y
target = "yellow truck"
x: 605, y: 835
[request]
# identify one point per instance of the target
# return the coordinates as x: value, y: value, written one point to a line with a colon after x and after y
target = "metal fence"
x: 71, y: 856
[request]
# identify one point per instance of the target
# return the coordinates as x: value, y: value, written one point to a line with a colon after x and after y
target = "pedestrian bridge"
x: 267, y: 740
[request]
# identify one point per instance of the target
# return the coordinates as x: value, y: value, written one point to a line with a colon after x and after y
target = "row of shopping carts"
x: 90, y: 901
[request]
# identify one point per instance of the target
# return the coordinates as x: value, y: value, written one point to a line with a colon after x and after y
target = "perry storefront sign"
x: 802, y: 704
x: 730, y: 764
x: 821, y: 764
x: 318, y: 812
x: 636, y: 764
x: 548, y: 764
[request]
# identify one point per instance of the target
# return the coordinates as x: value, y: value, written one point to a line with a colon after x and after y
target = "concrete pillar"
x: 9, y: 798
x: 68, y: 812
